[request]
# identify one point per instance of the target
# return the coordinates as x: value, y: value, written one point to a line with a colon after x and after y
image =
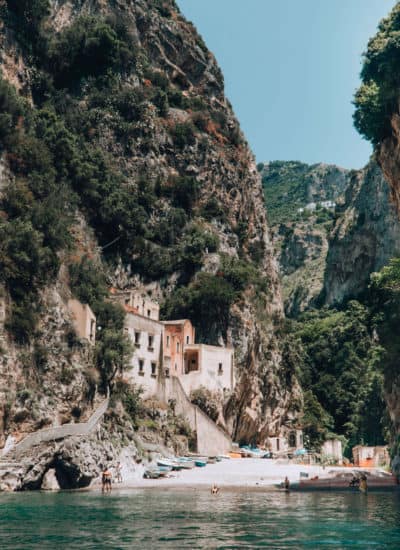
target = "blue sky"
x: 291, y: 68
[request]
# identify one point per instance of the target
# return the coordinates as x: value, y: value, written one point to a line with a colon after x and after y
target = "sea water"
x: 164, y: 519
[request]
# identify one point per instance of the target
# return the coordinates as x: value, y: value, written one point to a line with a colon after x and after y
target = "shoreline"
x: 244, y: 474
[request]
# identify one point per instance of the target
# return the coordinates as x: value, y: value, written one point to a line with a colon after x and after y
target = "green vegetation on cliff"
x: 341, y: 375
x: 377, y: 98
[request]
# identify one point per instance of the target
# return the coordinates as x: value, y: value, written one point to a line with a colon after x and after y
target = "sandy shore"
x: 245, y: 473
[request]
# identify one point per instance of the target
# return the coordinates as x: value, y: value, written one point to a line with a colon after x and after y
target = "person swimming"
x: 214, y: 489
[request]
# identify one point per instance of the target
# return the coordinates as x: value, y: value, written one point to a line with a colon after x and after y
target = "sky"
x: 291, y: 68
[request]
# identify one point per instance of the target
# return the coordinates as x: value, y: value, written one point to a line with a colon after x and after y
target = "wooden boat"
x: 200, y: 463
x: 212, y: 460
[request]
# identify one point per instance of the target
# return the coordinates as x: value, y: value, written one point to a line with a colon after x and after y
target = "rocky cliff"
x: 365, y: 237
x: 117, y: 137
x: 302, y: 201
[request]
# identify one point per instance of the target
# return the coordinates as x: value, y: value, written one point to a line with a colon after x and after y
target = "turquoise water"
x: 162, y: 519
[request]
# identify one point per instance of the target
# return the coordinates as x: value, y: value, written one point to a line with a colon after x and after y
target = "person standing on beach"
x: 106, y: 481
x: 286, y: 484
x: 118, y: 469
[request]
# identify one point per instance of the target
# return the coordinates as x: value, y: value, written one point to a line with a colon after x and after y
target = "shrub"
x: 206, y: 302
x: 131, y: 398
x: 88, y: 282
x: 26, y: 16
x: 377, y: 97
x: 195, y: 242
x: 11, y: 109
x: 183, y: 135
x: 206, y: 401
x: 88, y: 47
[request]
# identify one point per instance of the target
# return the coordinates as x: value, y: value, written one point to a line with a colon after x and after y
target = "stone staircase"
x: 58, y: 432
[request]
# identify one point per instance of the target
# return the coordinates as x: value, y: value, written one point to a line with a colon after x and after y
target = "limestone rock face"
x: 217, y: 156
x: 365, y: 237
x: 301, y: 200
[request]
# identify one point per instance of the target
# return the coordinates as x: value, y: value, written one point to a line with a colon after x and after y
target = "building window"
x: 176, y: 366
x: 220, y: 369
x: 151, y: 342
x: 177, y: 347
x: 141, y: 367
x: 137, y: 338
x: 193, y: 361
x: 92, y: 330
x: 153, y: 369
x: 167, y: 341
x: 166, y: 373
x: 292, y: 439
x: 277, y: 443
x: 148, y: 313
x: 187, y: 339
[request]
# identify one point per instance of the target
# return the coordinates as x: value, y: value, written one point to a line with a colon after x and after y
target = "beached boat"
x: 173, y: 464
x: 186, y: 463
x: 343, y: 482
x: 200, y: 463
x: 234, y: 454
x: 156, y: 472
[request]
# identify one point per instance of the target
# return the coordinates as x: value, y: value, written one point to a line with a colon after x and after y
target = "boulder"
x: 49, y: 482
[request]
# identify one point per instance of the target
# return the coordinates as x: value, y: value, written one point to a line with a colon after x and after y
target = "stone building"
x: 135, y: 302
x: 370, y: 457
x: 146, y: 335
x: 164, y: 349
x: 287, y: 441
x: 177, y: 335
x: 83, y: 320
x: 208, y: 366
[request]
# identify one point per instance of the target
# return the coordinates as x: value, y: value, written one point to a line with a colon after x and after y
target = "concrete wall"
x: 139, y: 328
x: 211, y: 440
x: 215, y: 369
x: 333, y: 448
x: 83, y: 319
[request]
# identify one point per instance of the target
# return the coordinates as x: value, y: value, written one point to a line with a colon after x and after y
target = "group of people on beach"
x: 106, y: 477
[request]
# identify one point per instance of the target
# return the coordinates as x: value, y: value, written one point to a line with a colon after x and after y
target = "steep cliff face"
x: 301, y: 202
x: 366, y: 235
x: 127, y: 105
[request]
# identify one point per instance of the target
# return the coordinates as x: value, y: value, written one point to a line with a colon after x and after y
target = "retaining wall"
x: 60, y: 432
x: 211, y: 439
